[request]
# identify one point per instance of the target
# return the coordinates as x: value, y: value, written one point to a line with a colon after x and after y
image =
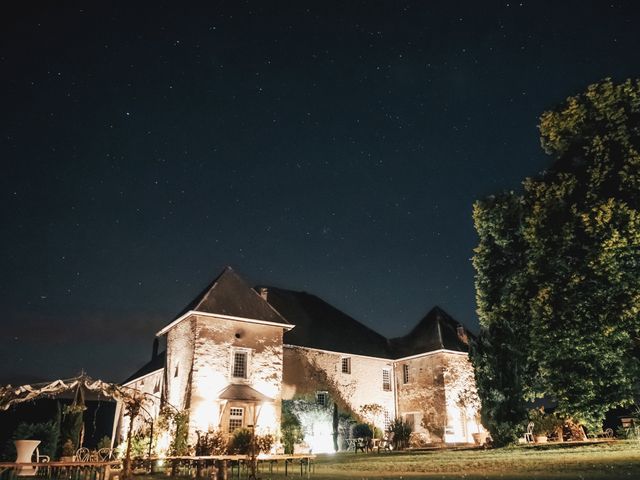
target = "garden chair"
x: 41, y: 458
x: 386, y: 443
x: 528, y: 436
x: 361, y: 444
x: 105, y: 454
x: 83, y: 454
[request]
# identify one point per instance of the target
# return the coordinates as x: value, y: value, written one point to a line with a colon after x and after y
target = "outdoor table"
x: 70, y: 470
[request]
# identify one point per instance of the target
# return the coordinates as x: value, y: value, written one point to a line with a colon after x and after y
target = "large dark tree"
x: 578, y: 271
x: 500, y: 355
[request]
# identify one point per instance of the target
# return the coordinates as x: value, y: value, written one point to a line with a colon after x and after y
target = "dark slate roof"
x: 320, y: 325
x: 243, y: 392
x: 230, y: 295
x: 436, y: 331
x: 156, y: 363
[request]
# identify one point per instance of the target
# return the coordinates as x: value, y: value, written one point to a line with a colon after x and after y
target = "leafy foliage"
x: 46, y: 432
x: 500, y: 354
x: 264, y: 443
x: 557, y: 269
x: 213, y: 442
x: 401, y: 433
x: 72, y: 423
x: 177, y: 422
x: 362, y: 430
x: 544, y: 423
x: 240, y: 442
x: 68, y: 449
x: 104, y: 442
x: 290, y: 428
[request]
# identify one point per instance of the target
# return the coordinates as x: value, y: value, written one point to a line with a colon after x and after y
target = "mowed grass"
x: 610, y: 460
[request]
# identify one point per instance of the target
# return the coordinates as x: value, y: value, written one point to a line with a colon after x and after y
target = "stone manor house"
x: 235, y: 353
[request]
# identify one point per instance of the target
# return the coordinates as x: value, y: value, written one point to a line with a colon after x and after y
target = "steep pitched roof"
x: 230, y: 295
x: 156, y: 363
x: 436, y: 331
x: 243, y: 392
x: 320, y: 325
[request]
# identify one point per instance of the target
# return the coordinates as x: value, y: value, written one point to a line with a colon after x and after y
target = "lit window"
x: 405, y: 373
x: 346, y: 365
x: 322, y: 398
x: 236, y: 415
x: 386, y: 380
x: 239, y: 369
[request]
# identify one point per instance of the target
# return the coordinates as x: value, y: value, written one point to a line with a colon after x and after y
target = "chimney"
x: 462, y: 335
x: 264, y: 293
x: 154, y: 350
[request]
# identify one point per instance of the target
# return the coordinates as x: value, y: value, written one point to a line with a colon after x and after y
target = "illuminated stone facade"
x: 236, y: 353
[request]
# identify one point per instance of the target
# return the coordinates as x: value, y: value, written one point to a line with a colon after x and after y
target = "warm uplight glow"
x: 267, y: 419
x: 321, y: 439
x: 162, y: 444
x: 205, y: 415
x: 205, y: 408
x: 268, y: 388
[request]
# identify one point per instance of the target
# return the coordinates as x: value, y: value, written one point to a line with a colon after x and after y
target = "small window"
x: 236, y: 415
x: 410, y: 420
x: 346, y: 365
x: 387, y: 420
x: 322, y: 398
x: 386, y: 380
x: 405, y: 373
x: 239, y: 364
x: 156, y: 388
x: 177, y: 370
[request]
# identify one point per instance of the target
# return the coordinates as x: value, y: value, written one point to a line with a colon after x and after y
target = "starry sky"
x: 331, y: 147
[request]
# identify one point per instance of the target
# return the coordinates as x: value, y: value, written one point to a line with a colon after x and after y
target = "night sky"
x: 331, y: 147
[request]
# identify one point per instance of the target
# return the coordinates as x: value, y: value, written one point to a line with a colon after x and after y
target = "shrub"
x: 290, y: 428
x: 544, y: 423
x: 264, y: 443
x: 401, y: 432
x: 104, y: 442
x: 139, y: 445
x: 46, y: 432
x: 68, y: 449
x: 179, y: 441
x: 240, y: 441
x: 362, y: 430
x: 214, y: 442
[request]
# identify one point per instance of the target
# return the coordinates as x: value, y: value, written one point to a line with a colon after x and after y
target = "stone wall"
x: 440, y: 397
x: 461, y: 398
x: 151, y: 385
x: 215, y: 340
x: 308, y: 371
x: 180, y: 350
x: 421, y: 400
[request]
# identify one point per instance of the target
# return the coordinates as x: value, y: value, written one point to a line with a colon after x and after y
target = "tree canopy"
x: 557, y: 277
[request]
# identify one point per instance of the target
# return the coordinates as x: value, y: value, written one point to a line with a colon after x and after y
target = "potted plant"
x: 68, y: 452
x: 543, y: 425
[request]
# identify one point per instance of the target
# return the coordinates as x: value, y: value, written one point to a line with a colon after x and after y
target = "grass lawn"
x: 620, y: 459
